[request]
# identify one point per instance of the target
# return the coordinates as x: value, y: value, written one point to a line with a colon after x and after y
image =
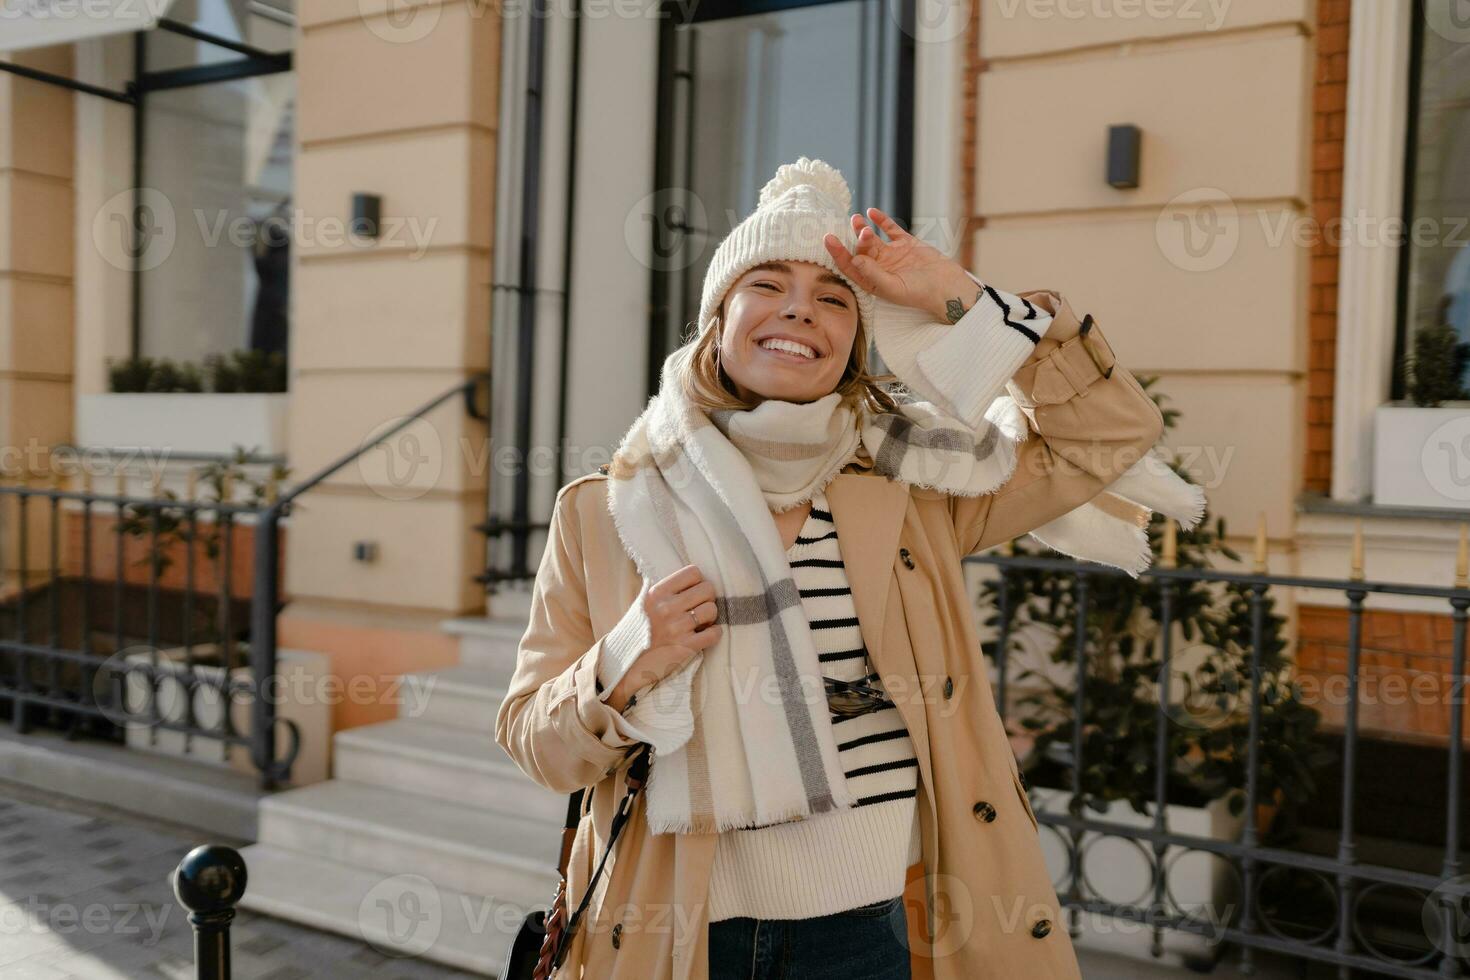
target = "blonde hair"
x: 707, y: 385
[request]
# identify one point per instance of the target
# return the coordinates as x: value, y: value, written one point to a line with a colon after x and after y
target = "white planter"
x: 183, y: 422
x: 1201, y: 885
x: 301, y: 690
x: 1421, y: 456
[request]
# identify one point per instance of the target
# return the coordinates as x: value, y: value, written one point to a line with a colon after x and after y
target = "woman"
x: 765, y: 586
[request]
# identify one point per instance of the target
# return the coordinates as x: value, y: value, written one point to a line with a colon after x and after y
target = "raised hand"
x: 904, y: 270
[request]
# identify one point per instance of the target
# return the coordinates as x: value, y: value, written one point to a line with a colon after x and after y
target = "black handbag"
x: 545, y: 935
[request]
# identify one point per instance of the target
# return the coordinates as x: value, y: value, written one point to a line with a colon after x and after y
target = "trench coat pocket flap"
x: 1067, y: 371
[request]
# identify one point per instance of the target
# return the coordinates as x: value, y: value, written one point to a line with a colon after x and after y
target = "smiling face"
x: 787, y: 331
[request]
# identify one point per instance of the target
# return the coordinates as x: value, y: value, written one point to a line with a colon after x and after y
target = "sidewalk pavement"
x: 86, y: 892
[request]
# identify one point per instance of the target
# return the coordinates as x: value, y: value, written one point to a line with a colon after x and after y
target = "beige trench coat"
x: 989, y: 910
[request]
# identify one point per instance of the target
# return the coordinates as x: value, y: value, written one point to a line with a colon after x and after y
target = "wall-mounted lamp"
x: 1123, y: 146
x: 366, y: 209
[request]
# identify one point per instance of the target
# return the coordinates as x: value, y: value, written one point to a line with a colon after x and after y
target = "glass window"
x: 1436, y: 250
x: 218, y: 157
x: 748, y: 91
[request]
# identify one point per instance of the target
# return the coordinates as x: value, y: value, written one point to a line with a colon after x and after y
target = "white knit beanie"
x: 798, y: 206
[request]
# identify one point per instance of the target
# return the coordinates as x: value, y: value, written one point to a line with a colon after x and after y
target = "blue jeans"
x: 869, y: 942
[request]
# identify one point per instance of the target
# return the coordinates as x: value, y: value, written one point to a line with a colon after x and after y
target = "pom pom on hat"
x: 817, y: 175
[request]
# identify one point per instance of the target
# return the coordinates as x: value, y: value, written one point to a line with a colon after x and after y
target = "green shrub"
x: 129, y: 374
x: 1207, y: 730
x: 1438, y: 364
x: 222, y: 374
x: 168, y: 376
x: 260, y: 370
x: 240, y: 371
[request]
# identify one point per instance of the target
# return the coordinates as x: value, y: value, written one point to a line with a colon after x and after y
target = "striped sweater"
x: 841, y: 858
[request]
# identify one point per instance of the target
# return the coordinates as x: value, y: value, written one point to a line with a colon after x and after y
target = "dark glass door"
x: 747, y: 86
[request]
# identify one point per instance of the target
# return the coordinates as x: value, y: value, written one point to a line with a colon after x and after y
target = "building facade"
x: 478, y: 228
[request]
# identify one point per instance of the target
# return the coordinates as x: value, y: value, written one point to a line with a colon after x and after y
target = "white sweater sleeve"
x: 972, y: 361
x: 659, y: 713
x: 961, y: 367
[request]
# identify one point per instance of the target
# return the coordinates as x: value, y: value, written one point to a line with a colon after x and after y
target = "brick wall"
x: 1404, y: 672
x: 136, y: 567
x: 1329, y: 115
x: 970, y: 135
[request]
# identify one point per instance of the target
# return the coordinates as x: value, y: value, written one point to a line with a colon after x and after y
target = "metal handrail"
x: 265, y: 596
x: 41, y: 660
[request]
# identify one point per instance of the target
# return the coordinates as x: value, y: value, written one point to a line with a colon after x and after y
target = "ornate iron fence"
x: 1352, y: 913
x: 155, y: 614
x: 147, y: 628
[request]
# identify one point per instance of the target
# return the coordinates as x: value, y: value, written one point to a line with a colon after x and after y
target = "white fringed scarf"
x: 694, y: 488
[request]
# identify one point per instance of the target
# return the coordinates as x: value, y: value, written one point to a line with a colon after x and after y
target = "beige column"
x: 402, y: 106
x: 37, y: 259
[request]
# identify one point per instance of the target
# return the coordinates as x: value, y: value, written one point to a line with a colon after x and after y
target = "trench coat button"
x: 617, y: 935
x: 1041, y: 928
x: 984, y: 811
x: 907, y: 559
x: 948, y: 688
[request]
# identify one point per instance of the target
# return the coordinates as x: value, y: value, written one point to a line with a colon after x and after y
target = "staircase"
x: 428, y: 841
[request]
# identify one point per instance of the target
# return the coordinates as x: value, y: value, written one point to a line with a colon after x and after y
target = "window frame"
x: 1369, y: 300
x: 926, y: 144
x: 252, y: 63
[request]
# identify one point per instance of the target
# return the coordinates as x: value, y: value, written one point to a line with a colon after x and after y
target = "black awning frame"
x: 253, y: 62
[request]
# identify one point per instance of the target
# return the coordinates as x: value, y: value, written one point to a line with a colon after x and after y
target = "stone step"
x: 458, y: 847
x: 213, y: 799
x: 488, y: 643
x: 412, y: 755
x: 465, y: 697
x: 402, y: 916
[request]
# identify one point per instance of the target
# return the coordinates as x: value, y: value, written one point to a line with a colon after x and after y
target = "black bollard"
x: 208, y: 882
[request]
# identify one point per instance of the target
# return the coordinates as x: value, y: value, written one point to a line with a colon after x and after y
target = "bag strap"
x: 635, y: 777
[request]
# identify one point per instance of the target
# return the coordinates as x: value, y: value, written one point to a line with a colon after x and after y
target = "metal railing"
x: 1356, y: 887
x: 86, y: 645
x: 155, y: 651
